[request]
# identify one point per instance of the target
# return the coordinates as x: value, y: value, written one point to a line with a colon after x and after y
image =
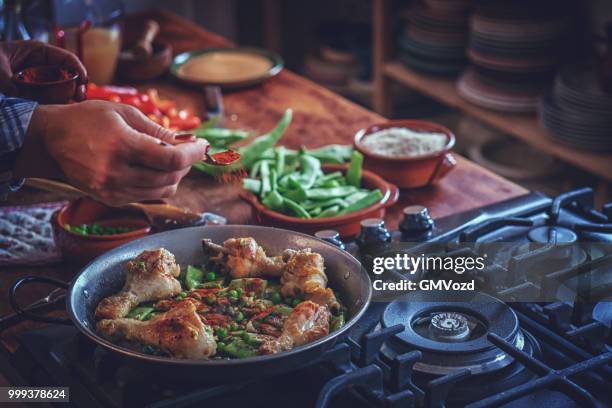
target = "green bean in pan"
x: 193, y: 277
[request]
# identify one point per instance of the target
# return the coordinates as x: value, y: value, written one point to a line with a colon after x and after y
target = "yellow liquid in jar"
x: 101, y: 47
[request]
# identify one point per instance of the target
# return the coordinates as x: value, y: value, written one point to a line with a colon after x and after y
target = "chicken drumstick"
x: 150, y: 276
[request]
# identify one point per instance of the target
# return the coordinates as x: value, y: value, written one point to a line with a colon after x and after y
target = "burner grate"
x: 549, y: 378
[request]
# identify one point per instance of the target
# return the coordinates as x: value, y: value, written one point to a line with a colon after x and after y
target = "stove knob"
x: 373, y: 232
x: 331, y: 236
x: 417, y: 222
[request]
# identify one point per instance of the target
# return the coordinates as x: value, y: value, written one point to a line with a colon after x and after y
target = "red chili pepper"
x: 186, y: 123
x: 206, y: 292
x: 161, y: 111
x: 103, y: 92
x: 263, y: 314
x: 148, y: 107
x: 133, y: 100
x: 216, y: 319
x: 164, y: 105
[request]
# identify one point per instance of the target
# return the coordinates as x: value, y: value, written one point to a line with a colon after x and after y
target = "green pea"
x: 211, y: 276
x: 276, y: 298
x: 233, y: 293
x: 296, y: 302
x: 239, y: 291
x: 239, y: 317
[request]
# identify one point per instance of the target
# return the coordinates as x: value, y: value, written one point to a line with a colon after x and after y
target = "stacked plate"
x: 491, y: 90
x: 435, y: 36
x: 577, y: 111
x: 515, y: 45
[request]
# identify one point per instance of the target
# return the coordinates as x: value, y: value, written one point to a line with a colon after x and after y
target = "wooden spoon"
x: 160, y: 214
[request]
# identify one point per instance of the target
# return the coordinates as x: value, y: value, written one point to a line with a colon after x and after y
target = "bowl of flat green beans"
x: 307, y: 196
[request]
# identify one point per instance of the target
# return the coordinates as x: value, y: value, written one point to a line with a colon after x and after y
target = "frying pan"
x: 106, y: 275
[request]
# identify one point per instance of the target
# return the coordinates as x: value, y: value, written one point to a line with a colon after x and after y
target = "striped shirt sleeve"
x: 15, y: 115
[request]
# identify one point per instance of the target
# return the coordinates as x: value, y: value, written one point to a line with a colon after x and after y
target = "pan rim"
x: 91, y: 334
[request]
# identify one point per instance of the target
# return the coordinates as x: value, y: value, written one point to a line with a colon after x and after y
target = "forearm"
x: 15, y: 117
x: 33, y: 159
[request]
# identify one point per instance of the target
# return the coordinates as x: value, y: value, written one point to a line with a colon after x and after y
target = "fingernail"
x: 204, y: 142
x: 184, y: 136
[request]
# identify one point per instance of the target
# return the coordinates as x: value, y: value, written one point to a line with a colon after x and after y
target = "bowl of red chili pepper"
x: 46, y: 84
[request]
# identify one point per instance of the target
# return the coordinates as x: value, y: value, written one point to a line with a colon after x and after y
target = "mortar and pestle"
x: 145, y: 58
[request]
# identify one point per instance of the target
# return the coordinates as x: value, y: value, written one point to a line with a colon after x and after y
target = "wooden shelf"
x: 525, y: 127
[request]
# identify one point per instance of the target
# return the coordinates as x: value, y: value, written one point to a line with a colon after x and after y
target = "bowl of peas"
x: 310, y: 196
x: 85, y: 229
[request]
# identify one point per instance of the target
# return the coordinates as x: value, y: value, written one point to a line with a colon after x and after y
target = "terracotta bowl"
x: 51, y: 87
x: 347, y: 225
x: 80, y: 249
x: 409, y: 172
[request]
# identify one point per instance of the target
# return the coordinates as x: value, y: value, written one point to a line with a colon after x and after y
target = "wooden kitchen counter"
x: 320, y: 117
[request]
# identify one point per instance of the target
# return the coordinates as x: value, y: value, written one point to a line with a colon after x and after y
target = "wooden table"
x: 320, y: 117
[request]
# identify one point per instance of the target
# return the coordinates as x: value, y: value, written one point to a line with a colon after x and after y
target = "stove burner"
x: 554, y: 234
x: 451, y: 330
x: 449, y: 326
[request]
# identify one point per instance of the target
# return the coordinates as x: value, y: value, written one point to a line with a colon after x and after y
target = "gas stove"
x: 537, y: 330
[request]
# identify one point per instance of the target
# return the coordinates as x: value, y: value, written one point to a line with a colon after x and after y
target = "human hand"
x: 111, y: 151
x: 18, y: 55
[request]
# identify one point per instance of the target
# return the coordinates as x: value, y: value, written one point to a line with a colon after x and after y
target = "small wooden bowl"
x: 130, y: 68
x: 51, y: 86
x: 409, y: 172
x: 347, y: 225
x: 81, y: 249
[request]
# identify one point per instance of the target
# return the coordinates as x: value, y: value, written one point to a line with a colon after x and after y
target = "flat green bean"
x: 371, y: 198
x: 310, y: 170
x: 308, y: 205
x: 330, y: 212
x: 296, y: 208
x: 252, y: 185
x: 251, y: 153
x: 265, y: 178
x: 279, y: 157
x: 325, y: 193
x: 274, y: 201
x: 355, y: 197
x: 193, y: 277
x: 353, y: 174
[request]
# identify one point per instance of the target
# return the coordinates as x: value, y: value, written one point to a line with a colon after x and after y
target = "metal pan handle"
x: 27, y: 313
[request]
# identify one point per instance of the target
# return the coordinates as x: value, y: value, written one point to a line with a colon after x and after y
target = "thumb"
x: 6, y: 84
x: 139, y: 121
